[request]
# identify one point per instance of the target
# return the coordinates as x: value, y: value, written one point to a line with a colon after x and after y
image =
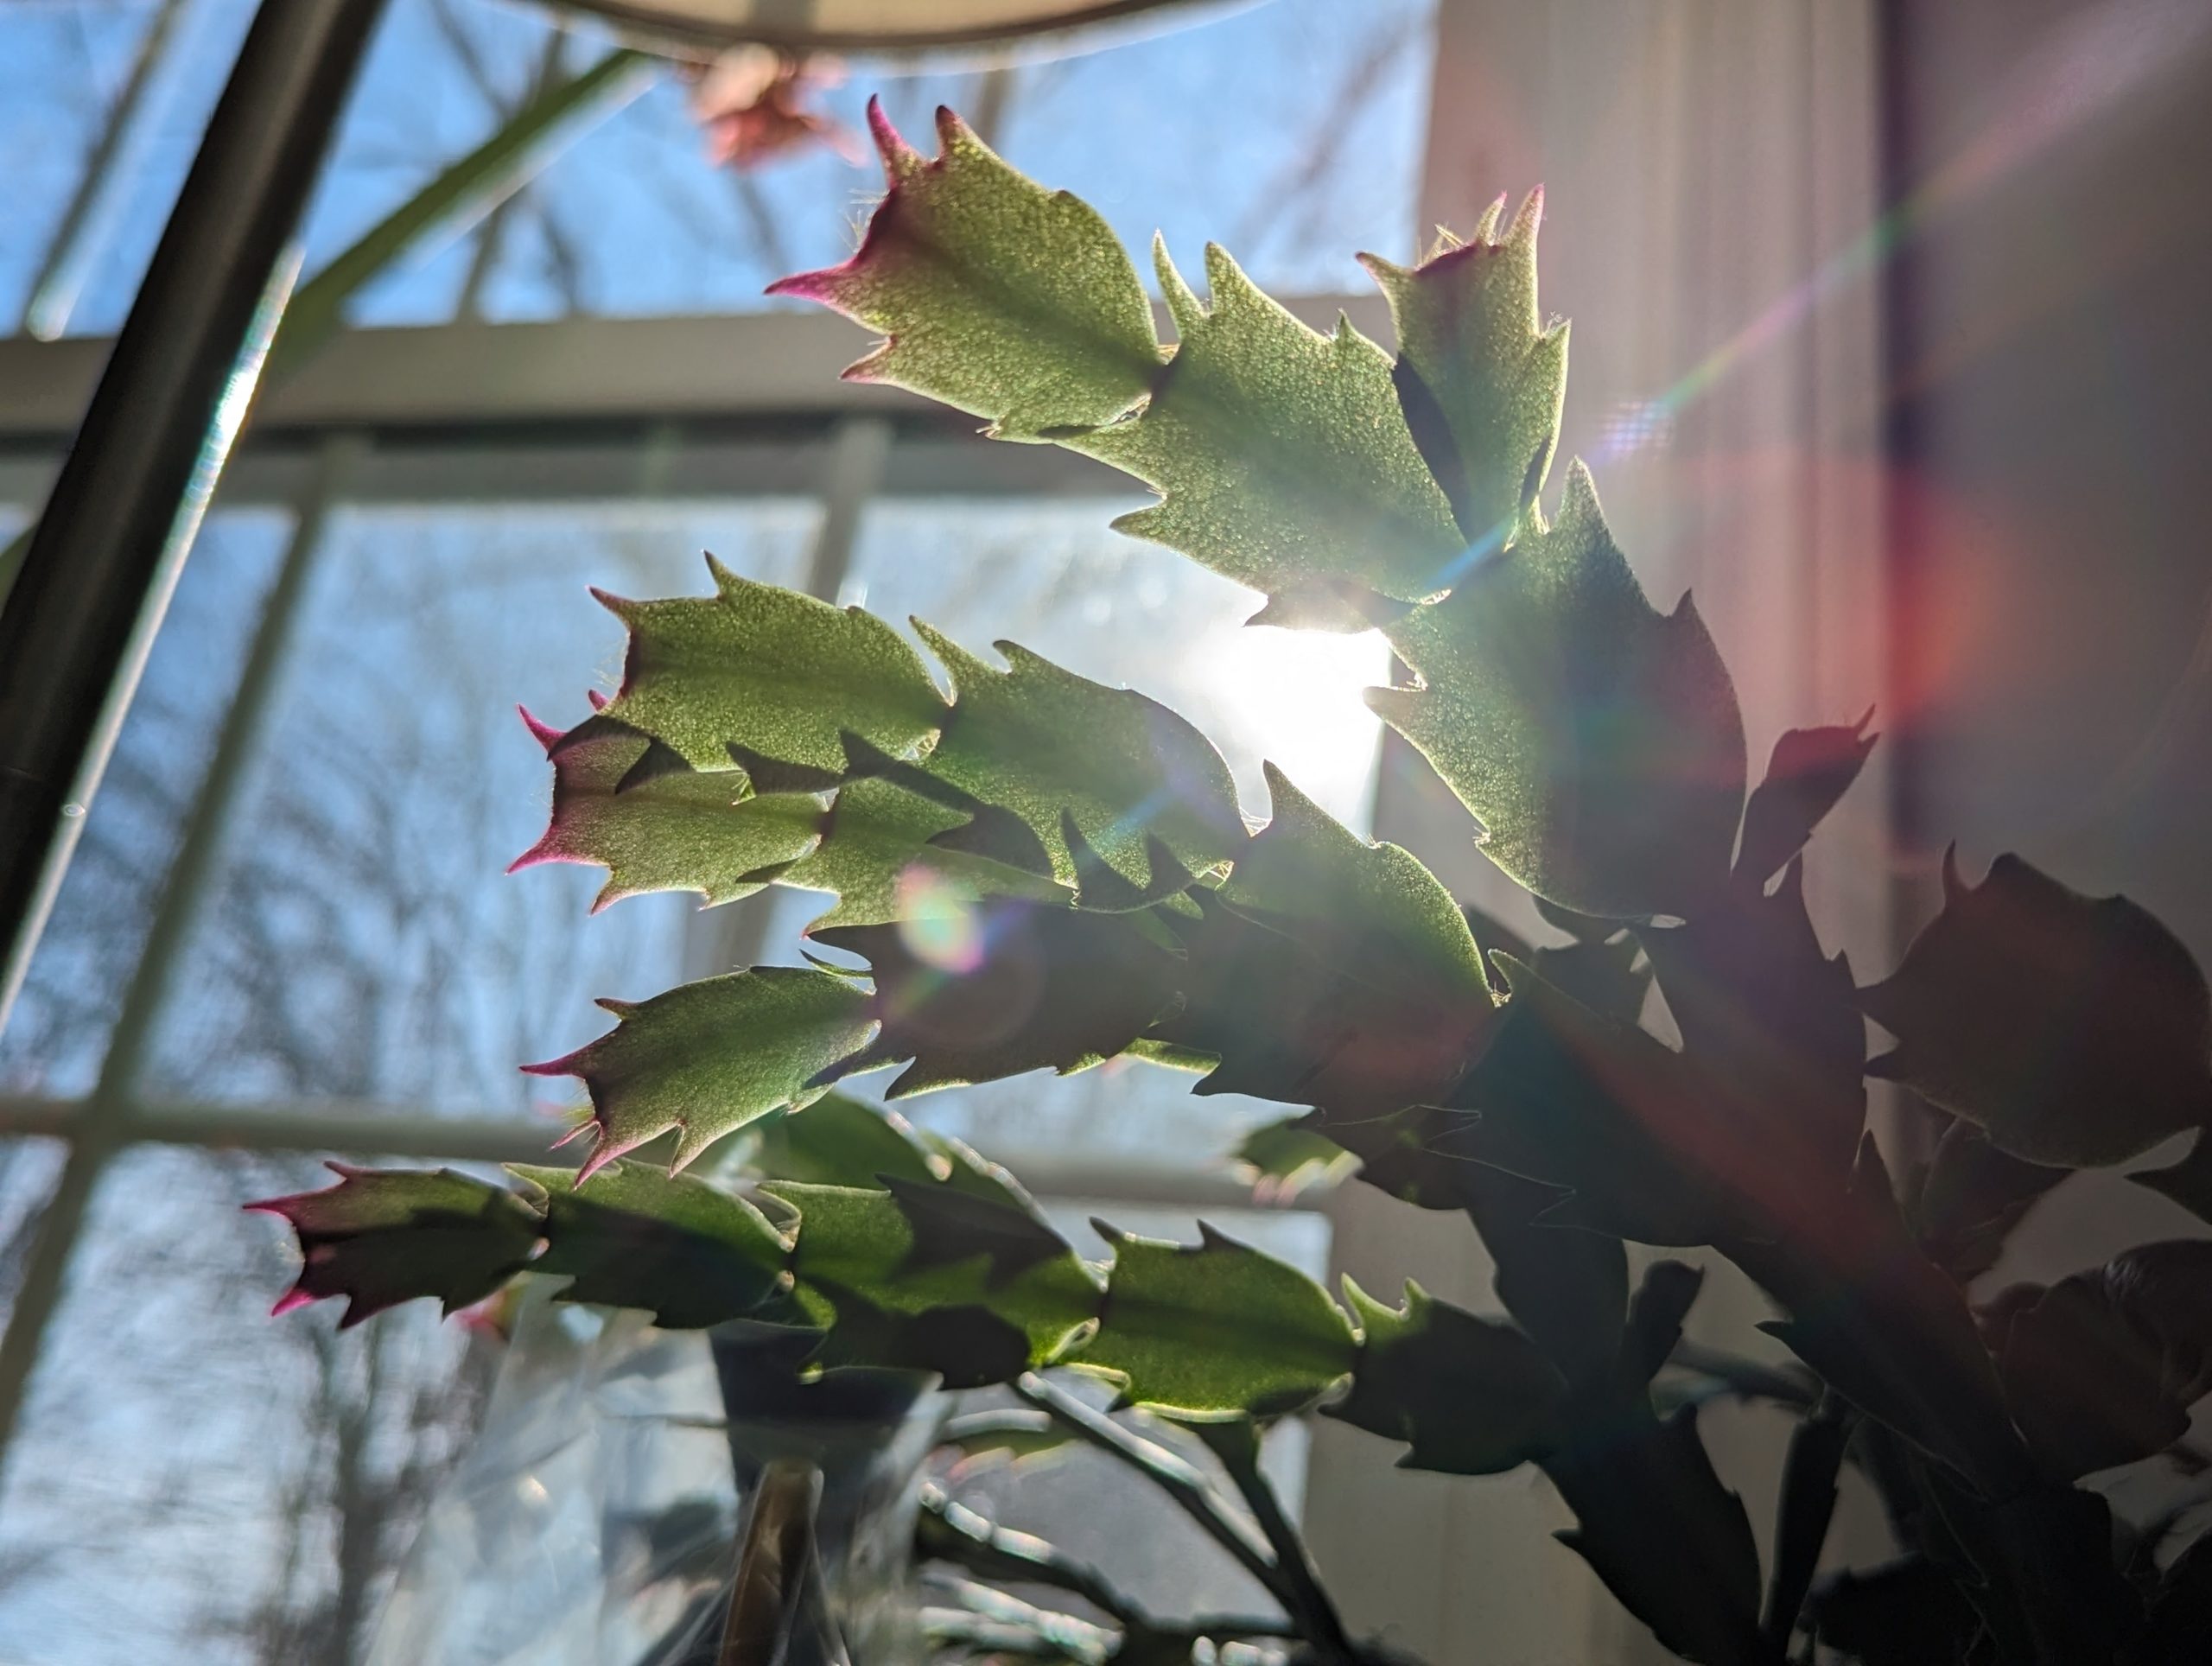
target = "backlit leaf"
x: 2075, y: 1030
x: 1477, y: 364
x: 1287, y: 1159
x: 770, y: 671
x: 880, y: 855
x: 665, y: 828
x: 836, y: 1140
x: 707, y: 1058
x: 1598, y: 739
x: 1101, y: 776
x: 925, y: 1252
x: 997, y: 297
x: 1215, y: 1330
x: 1330, y: 971
x: 1281, y: 458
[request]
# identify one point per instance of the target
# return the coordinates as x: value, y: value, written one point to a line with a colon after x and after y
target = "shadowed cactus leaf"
x: 1468, y: 1395
x: 1596, y: 738
x: 1806, y: 775
x: 1011, y: 986
x: 1329, y: 971
x: 1772, y: 1023
x: 636, y: 1235
x: 2102, y: 1368
x: 379, y: 1238
x: 922, y: 1251
x: 2075, y: 1030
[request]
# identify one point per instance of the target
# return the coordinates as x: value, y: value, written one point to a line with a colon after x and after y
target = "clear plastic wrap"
x: 596, y: 1520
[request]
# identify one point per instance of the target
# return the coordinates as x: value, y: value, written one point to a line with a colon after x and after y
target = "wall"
x: 1710, y: 169
x: 2052, y: 378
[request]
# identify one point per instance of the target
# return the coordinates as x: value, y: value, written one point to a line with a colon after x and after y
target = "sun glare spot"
x: 1293, y: 697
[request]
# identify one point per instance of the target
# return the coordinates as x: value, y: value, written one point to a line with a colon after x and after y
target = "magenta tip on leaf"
x: 291, y: 1301
x: 598, y: 698
x: 899, y: 158
x: 534, y: 856
x: 589, y: 1125
x: 602, y: 1154
x: 1530, y: 216
x: 544, y: 734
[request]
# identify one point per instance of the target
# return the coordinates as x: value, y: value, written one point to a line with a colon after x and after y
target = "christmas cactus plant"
x: 1022, y: 870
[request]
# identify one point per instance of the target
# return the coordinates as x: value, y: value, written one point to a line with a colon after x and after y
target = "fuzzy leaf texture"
x: 623, y: 802
x: 689, y: 1253
x: 2075, y: 1030
x: 708, y: 1058
x: 1481, y: 378
x: 1128, y: 797
x: 1282, y: 458
x: 996, y: 296
x: 1215, y: 1331
x: 1598, y: 739
x: 1032, y: 776
x: 1329, y: 971
x: 881, y: 857
x: 769, y: 671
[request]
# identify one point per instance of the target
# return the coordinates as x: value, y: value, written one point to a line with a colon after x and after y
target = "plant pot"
x: 598, y: 1516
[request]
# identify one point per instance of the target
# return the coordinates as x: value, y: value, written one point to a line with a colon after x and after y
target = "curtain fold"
x: 1711, y: 170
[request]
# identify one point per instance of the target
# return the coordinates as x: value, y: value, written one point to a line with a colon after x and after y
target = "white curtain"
x: 1711, y: 170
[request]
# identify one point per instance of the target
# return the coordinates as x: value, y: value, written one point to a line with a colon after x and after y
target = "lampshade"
x: 871, y: 25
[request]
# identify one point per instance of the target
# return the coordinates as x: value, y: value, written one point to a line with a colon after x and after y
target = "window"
x: 286, y: 933
x: 336, y: 963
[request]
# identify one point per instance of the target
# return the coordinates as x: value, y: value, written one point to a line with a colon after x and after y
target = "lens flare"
x: 938, y: 923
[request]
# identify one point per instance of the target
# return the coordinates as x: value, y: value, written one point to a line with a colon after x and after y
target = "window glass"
x: 58, y: 1032
x: 1289, y: 131
x: 193, y: 1480
x: 363, y: 942
x: 1092, y: 1507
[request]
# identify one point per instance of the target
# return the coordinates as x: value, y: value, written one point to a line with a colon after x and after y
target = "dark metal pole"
x: 97, y: 575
